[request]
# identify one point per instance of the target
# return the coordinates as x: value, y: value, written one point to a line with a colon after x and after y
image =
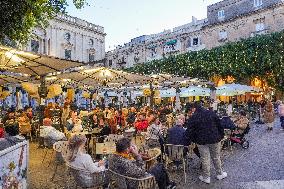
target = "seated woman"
x: 50, y: 132
x: 74, y: 124
x: 81, y: 161
x: 127, y: 161
x: 24, y: 124
x: 94, y: 121
x: 105, y: 130
x: 241, y: 123
x: 154, y: 133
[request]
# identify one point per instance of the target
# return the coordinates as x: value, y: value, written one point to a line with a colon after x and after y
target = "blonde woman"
x: 79, y: 159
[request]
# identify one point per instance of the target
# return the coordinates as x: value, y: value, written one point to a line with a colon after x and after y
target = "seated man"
x: 11, y: 137
x: 47, y: 131
x: 176, y: 133
x: 227, y: 123
x: 127, y: 161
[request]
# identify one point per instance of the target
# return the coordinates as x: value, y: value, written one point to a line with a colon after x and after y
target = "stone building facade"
x: 70, y: 38
x: 228, y: 20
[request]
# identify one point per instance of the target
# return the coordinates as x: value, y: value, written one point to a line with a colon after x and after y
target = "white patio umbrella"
x: 235, y: 89
x: 195, y: 91
x: 165, y: 93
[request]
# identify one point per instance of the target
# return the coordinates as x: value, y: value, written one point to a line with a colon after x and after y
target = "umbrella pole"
x: 152, y: 95
x: 42, y: 94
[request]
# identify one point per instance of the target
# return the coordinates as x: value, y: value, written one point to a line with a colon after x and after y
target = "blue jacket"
x: 176, y: 135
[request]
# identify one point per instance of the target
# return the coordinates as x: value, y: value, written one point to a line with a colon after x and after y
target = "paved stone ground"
x: 259, y: 167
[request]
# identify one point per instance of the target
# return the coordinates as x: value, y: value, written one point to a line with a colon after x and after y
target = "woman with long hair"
x: 80, y: 160
x: 154, y: 134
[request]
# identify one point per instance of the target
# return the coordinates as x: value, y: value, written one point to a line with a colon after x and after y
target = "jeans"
x: 213, y: 151
x: 282, y: 121
x: 161, y: 175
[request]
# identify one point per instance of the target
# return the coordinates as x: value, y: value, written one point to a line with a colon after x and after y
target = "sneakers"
x: 224, y: 175
x: 206, y: 180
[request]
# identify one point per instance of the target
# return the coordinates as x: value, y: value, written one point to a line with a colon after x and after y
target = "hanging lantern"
x: 4, y: 94
x: 86, y: 95
x: 156, y: 93
x: 147, y: 92
x: 70, y: 94
x: 54, y: 90
x: 30, y: 88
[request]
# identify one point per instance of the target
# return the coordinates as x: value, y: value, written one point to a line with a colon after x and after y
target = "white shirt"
x: 85, y: 163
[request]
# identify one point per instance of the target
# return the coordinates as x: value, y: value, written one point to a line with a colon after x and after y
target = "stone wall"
x: 235, y: 8
x: 244, y: 27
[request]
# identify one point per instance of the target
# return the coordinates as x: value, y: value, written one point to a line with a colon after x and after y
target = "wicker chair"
x: 113, y: 138
x: 120, y: 181
x: 48, y: 145
x: 98, y: 179
x: 61, y: 149
x: 175, y: 153
x: 154, y: 154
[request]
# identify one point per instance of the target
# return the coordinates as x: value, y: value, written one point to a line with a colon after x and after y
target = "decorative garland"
x: 258, y: 57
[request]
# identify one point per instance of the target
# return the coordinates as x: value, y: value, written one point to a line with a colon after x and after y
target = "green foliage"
x: 260, y: 56
x: 19, y: 17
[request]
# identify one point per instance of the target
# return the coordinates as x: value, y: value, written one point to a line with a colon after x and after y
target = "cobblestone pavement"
x: 259, y: 167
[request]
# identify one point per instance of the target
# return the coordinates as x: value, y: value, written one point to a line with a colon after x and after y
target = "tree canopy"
x: 257, y: 57
x: 19, y: 17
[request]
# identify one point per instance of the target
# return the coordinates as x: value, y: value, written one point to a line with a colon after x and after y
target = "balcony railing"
x: 266, y: 30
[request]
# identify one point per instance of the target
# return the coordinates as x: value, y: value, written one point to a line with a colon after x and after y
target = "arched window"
x: 67, y: 36
x: 91, y: 42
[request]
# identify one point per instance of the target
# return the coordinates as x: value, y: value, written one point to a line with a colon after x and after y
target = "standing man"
x: 204, y: 129
x: 281, y: 114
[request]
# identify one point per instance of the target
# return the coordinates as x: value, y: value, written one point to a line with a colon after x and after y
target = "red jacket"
x: 141, y: 125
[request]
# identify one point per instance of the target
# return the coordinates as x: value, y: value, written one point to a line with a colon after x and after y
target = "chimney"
x: 194, y: 20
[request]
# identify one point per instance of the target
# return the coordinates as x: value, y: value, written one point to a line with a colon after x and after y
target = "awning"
x: 12, y: 78
x: 172, y: 42
x: 33, y: 64
x: 99, y: 77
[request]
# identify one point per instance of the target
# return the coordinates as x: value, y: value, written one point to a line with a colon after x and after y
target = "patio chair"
x: 48, y: 146
x: 139, y: 141
x: 113, y: 138
x: 175, y: 153
x: 190, y: 150
x: 120, y: 181
x: 226, y: 140
x: 61, y: 149
x: 98, y: 179
x: 154, y: 154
